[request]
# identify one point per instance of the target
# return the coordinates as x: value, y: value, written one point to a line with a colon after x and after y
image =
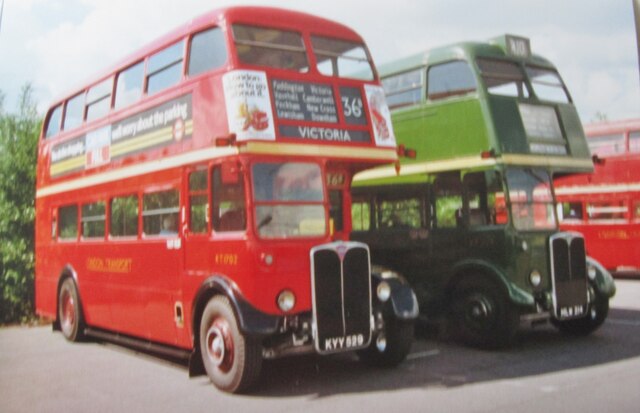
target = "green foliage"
x: 18, y: 150
x: 447, y: 207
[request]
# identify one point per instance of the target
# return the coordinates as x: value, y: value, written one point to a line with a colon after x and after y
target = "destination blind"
x: 314, y: 102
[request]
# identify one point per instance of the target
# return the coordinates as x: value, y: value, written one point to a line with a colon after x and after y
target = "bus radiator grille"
x: 341, y: 296
x: 569, y: 275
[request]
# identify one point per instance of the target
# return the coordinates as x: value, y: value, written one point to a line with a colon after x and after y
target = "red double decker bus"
x: 605, y: 205
x: 194, y: 199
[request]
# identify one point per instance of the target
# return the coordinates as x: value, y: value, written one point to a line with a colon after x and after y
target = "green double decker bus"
x: 471, y: 219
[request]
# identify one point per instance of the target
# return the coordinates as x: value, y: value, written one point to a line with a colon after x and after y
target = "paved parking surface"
x: 544, y: 372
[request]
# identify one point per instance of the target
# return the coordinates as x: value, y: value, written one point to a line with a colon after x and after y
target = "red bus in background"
x: 605, y: 205
x: 194, y: 199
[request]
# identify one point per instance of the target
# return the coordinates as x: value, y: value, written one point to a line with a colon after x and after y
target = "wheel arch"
x: 603, y: 282
x: 251, y: 321
x: 67, y: 272
x: 403, y: 300
x: 490, y: 273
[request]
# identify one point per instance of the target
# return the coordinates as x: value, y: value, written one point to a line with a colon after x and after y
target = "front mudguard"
x: 402, y: 300
x: 517, y: 295
x: 252, y: 321
x: 603, y: 283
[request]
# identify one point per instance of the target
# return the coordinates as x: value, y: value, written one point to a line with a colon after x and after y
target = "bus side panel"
x: 614, y: 246
x: 434, y: 123
x: 569, y: 118
x: 508, y: 125
x: 45, y: 276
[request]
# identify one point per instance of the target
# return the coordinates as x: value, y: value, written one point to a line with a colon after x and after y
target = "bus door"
x: 448, y: 231
x: 142, y: 288
x: 197, y: 225
x: 161, y: 219
x: 402, y: 233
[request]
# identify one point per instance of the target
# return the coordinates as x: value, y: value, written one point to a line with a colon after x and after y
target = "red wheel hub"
x: 68, y: 312
x: 220, y: 348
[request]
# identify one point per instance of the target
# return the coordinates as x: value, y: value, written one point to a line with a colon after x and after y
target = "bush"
x: 18, y: 153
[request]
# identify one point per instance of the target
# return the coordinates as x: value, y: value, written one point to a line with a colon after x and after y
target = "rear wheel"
x: 232, y: 360
x: 584, y: 326
x: 482, y: 315
x: 70, y: 312
x: 391, y: 345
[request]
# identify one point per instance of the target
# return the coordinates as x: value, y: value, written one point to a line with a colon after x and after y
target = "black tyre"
x: 389, y: 347
x: 584, y: 326
x: 482, y: 315
x: 232, y: 360
x: 70, y: 315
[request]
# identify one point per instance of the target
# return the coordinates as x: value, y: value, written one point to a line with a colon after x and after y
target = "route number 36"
x: 352, y: 107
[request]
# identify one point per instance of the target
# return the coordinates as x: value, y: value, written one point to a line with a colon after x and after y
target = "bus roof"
x: 468, y: 50
x: 262, y: 16
x: 612, y: 126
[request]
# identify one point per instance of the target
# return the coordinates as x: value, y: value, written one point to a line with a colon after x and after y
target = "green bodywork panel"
x: 464, y: 126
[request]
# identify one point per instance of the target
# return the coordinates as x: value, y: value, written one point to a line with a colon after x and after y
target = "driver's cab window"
x: 485, y: 199
x: 228, y: 199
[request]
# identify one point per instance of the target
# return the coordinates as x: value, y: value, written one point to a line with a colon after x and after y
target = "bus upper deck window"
x: 53, y: 124
x: 450, y: 79
x: 547, y: 84
x: 279, y: 49
x: 99, y: 99
x: 405, y: 88
x: 164, y: 68
x: 73, y: 114
x: 207, y: 51
x: 503, y: 78
x: 634, y: 142
x: 342, y: 58
x: 129, y: 85
x: 607, y: 145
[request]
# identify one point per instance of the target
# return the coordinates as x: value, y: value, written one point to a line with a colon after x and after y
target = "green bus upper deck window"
x: 450, y: 79
x: 342, y: 58
x: 547, y: 84
x: 279, y: 49
x: 405, y: 88
x: 503, y: 78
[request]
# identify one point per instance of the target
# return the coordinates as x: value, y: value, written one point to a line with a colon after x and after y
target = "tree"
x: 600, y: 117
x: 18, y: 153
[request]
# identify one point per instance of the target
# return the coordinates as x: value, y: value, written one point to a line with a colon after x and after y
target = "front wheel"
x: 391, y: 345
x: 70, y: 312
x: 232, y: 360
x: 584, y: 326
x: 482, y: 315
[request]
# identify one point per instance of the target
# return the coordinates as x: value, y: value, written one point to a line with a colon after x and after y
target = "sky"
x: 56, y: 45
